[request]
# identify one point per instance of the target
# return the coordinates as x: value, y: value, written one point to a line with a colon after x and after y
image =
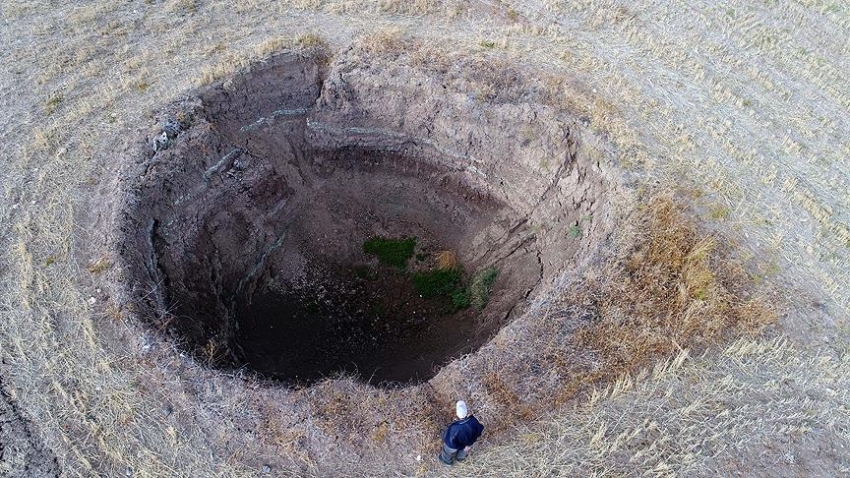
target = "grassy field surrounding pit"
x: 739, y: 109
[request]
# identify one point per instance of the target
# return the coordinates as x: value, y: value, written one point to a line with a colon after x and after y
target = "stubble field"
x: 739, y: 111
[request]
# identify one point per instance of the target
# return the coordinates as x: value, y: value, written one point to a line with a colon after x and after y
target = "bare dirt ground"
x: 741, y: 109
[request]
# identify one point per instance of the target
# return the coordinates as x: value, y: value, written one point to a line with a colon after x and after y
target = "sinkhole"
x: 304, y: 223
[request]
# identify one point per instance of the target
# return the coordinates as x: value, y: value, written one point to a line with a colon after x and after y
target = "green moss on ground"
x: 437, y: 282
x: 444, y: 283
x: 391, y: 252
x: 449, y: 284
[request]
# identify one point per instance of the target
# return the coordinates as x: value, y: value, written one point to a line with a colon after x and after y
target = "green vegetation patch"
x: 481, y: 287
x: 460, y: 299
x: 437, y: 283
x: 53, y: 102
x: 391, y: 252
x: 444, y: 283
x: 449, y: 284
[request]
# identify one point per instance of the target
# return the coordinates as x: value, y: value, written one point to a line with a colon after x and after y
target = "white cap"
x: 461, y: 409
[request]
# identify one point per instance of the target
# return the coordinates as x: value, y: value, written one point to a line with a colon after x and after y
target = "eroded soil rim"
x: 245, y: 227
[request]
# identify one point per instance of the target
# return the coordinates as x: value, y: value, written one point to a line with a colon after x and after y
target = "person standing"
x: 460, y: 435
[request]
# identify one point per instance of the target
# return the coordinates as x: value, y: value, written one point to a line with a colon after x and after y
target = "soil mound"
x: 303, y: 223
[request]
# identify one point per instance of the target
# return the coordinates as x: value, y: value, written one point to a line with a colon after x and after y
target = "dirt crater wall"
x: 263, y: 187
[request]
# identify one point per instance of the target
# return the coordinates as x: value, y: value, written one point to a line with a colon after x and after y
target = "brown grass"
x: 100, y: 265
x: 672, y: 288
x: 675, y: 291
x: 653, y: 423
x: 389, y: 41
x: 446, y: 260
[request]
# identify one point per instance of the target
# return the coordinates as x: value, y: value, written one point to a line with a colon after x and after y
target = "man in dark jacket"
x: 460, y: 435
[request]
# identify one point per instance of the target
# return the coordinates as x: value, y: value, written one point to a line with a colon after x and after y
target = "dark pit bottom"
x: 364, y: 320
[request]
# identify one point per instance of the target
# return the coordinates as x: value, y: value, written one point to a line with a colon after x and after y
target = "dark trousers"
x: 448, y: 454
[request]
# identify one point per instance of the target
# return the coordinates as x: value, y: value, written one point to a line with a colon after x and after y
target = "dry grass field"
x: 739, y: 110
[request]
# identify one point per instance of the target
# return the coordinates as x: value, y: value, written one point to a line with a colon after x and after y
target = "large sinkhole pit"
x: 375, y: 223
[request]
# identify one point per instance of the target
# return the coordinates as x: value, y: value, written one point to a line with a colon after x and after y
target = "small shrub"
x: 482, y: 286
x: 460, y: 299
x: 390, y: 252
x: 213, y: 352
x: 449, y: 284
x: 184, y: 118
x: 575, y: 231
x: 99, y: 266
x: 446, y: 260
x: 53, y: 102
x: 311, y: 40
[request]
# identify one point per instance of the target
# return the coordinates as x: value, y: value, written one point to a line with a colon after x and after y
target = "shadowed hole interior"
x: 263, y: 244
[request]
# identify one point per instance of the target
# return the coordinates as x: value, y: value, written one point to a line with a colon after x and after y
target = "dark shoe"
x: 440, y: 457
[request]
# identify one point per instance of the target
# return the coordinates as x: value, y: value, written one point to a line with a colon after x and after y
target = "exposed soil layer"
x: 245, y: 228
